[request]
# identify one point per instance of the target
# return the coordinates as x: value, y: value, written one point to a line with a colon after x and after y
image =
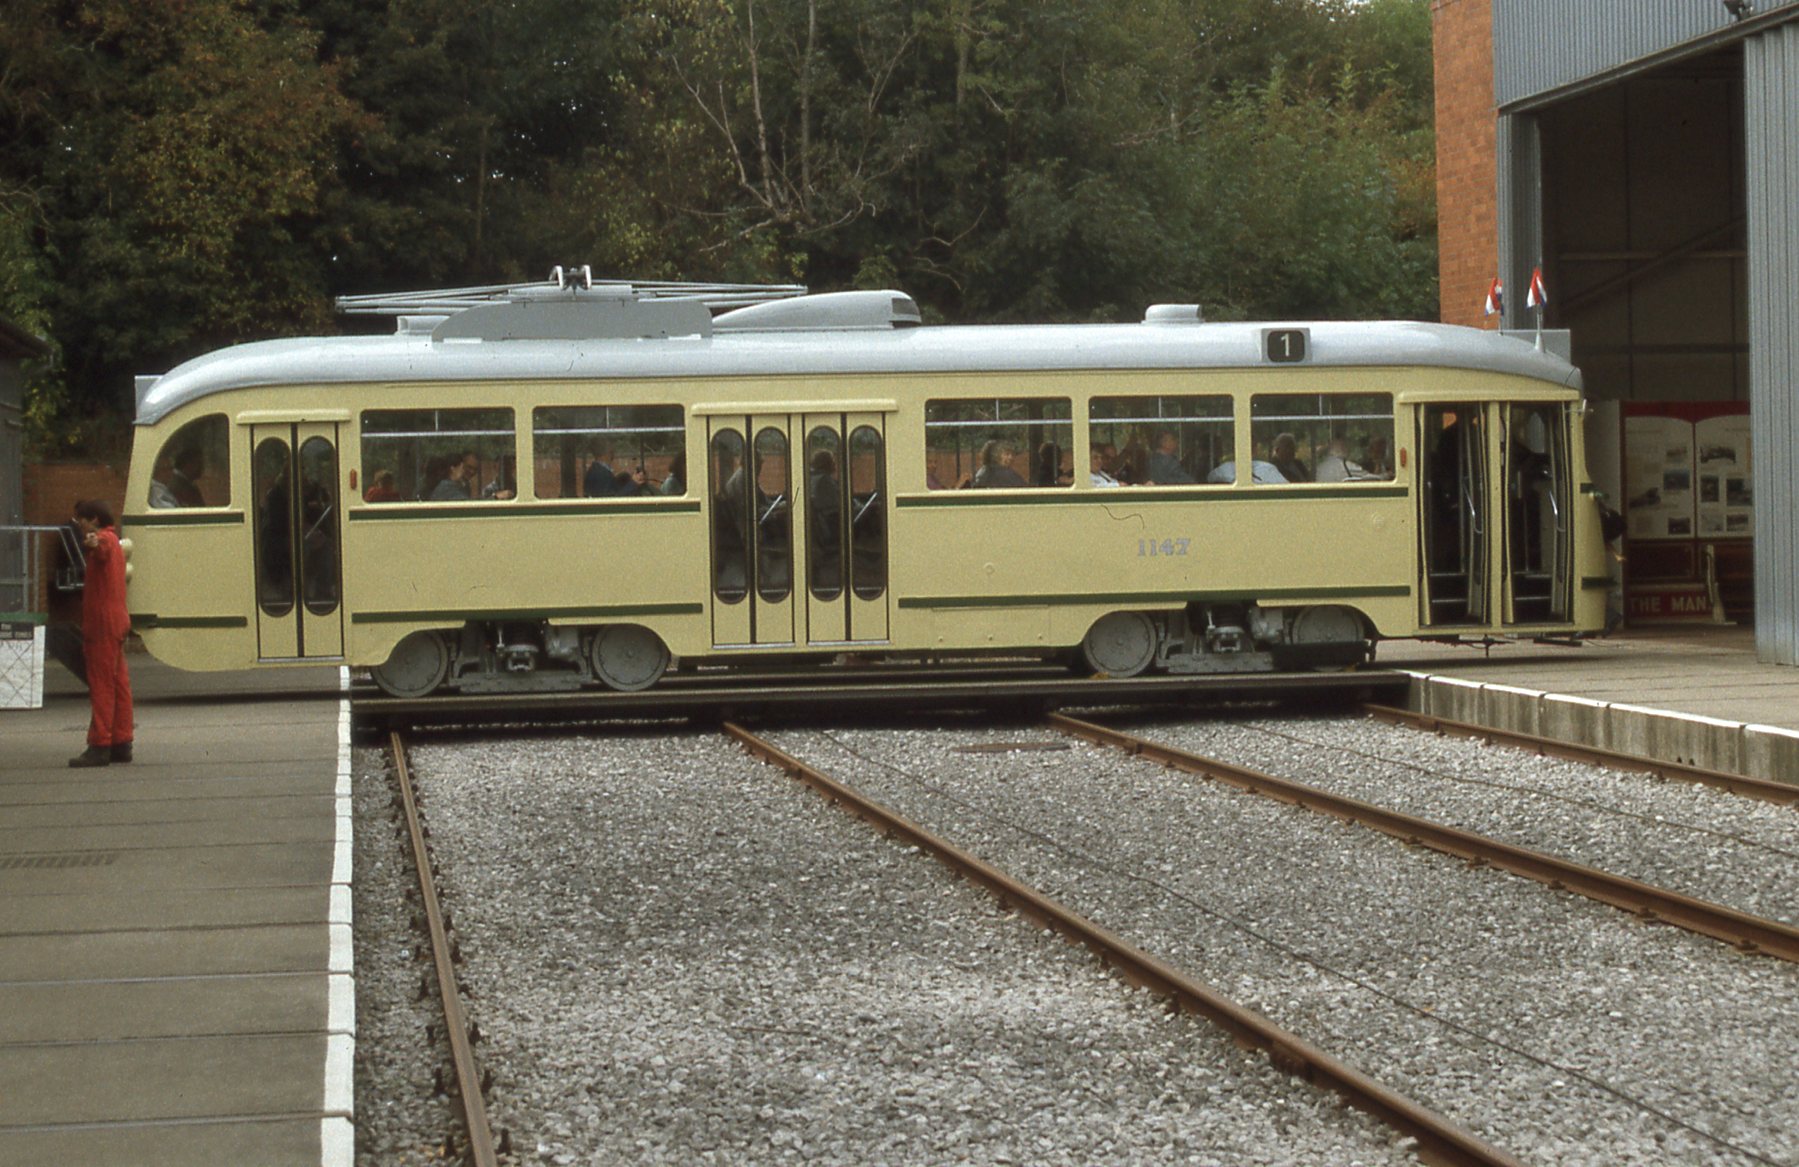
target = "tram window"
x: 193, y: 468
x: 1321, y: 437
x: 774, y: 516
x: 1160, y: 441
x: 868, y: 513
x: 318, y: 526
x: 730, y: 517
x: 274, y: 527
x: 606, y: 451
x: 438, y: 455
x: 999, y: 442
x: 824, y: 512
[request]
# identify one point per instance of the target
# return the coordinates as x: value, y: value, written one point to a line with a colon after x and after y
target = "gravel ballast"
x: 1561, y: 1030
x: 679, y: 955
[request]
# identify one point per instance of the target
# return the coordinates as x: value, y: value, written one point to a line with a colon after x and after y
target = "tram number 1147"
x: 1150, y: 548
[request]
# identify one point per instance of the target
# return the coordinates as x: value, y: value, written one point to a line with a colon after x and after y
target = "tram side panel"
x: 1022, y: 571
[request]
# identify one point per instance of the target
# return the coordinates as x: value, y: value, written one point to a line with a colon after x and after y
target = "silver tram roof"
x: 590, y: 337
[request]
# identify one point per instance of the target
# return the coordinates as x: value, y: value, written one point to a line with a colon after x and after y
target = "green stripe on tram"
x: 500, y: 509
x: 181, y: 519
x: 157, y: 620
x: 601, y: 612
x: 1126, y: 495
x: 1170, y: 597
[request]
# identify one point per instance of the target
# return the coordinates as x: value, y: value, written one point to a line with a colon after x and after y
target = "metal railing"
x: 30, y: 568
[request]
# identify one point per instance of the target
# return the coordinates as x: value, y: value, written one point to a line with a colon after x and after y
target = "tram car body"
x: 567, y: 485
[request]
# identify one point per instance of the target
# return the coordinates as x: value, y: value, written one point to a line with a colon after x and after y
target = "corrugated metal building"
x: 1647, y: 160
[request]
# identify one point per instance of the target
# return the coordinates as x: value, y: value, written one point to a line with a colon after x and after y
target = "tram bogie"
x: 491, y: 508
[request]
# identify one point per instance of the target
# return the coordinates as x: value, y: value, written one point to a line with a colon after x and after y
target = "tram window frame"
x: 824, y: 471
x: 868, y: 528
x: 1316, y: 421
x: 1134, y: 434
x: 958, y: 430
x: 568, y: 440
x: 209, y: 439
x: 421, y: 437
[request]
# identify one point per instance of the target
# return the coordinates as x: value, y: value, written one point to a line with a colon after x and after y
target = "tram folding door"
x: 296, y: 523
x: 1473, y: 518
x: 1455, y: 519
x: 798, y: 506
x: 845, y: 503
x: 750, y: 480
x: 1539, y: 511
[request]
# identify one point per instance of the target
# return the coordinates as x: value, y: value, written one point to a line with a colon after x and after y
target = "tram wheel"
x: 628, y: 657
x: 417, y: 665
x: 1120, y: 644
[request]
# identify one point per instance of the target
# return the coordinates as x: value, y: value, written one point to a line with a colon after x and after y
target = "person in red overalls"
x: 104, y: 626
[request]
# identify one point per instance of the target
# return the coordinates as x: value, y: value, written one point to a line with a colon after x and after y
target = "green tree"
x: 176, y: 152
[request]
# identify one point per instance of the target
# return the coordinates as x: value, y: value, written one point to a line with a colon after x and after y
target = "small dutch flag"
x: 1537, y: 297
x: 1495, y: 298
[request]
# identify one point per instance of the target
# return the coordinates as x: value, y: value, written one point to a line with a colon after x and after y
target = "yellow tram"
x: 545, y: 486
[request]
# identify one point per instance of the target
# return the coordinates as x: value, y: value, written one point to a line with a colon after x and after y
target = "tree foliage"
x: 181, y: 174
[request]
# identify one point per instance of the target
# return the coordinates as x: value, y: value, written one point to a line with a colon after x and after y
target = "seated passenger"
x: 1131, y: 467
x: 1285, y: 458
x: 1048, y: 471
x: 1261, y: 473
x: 382, y: 488
x: 1377, y: 461
x: 600, y: 481
x: 183, y: 478
x: 504, y: 485
x: 1101, y: 467
x: 174, y: 486
x: 1165, y: 467
x: 445, y: 479
x: 676, y: 482
x: 1335, y: 466
x: 996, y: 466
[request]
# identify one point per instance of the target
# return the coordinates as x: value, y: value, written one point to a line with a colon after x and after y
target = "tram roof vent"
x: 1174, y: 314
x: 570, y: 305
x: 828, y: 311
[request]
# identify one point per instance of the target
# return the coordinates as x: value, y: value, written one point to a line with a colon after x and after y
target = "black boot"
x: 121, y: 753
x: 92, y: 756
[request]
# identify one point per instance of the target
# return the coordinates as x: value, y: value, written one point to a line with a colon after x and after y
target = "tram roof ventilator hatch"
x: 572, y: 305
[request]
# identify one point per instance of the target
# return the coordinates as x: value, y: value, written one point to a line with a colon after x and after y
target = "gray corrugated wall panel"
x: 1542, y: 45
x: 1771, y: 138
x: 1520, y: 212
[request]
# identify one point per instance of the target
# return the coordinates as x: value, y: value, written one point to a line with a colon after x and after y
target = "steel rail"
x: 482, y: 1152
x: 1748, y: 933
x: 837, y: 691
x: 1762, y: 788
x: 1440, y: 1141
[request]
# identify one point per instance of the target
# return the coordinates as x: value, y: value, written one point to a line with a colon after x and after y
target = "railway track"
x: 1167, y: 975
x: 715, y: 694
x: 480, y: 1147
x: 1439, y: 1139
x: 1745, y: 931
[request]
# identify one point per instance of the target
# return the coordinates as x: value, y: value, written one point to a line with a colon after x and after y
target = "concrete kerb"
x: 1771, y: 752
x: 1759, y: 751
x: 1576, y: 719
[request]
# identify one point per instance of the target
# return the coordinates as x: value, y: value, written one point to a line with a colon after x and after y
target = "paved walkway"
x: 175, y: 969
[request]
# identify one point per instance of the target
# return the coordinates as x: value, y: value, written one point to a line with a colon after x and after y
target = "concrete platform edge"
x: 337, y: 1127
x: 1758, y: 751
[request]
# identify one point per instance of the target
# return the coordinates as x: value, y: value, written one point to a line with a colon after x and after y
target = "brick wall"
x: 1467, y: 160
x: 53, y: 488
